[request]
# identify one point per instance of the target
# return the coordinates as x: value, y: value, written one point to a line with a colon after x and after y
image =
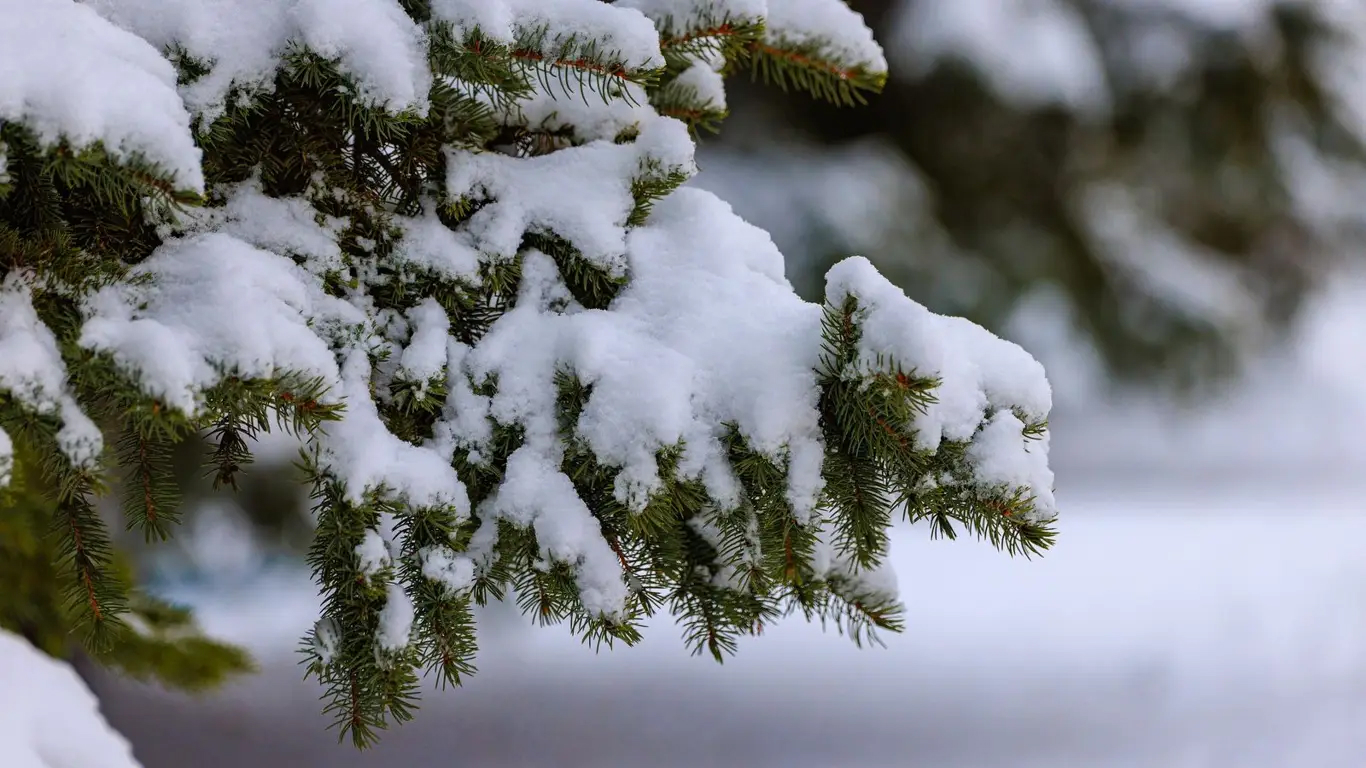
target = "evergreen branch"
x: 589, y: 284
x: 77, y: 218
x: 366, y: 687
x: 803, y: 67
x: 230, y: 451
x: 445, y: 627
x: 707, y: 35
x: 86, y: 552
x: 685, y: 103
x: 162, y: 644
x: 151, y: 498
x: 852, y: 610
x: 652, y: 184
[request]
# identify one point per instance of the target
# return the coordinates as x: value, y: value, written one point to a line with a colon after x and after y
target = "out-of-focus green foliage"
x: 161, y: 642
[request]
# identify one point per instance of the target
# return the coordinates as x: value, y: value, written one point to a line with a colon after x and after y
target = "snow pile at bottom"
x: 48, y: 718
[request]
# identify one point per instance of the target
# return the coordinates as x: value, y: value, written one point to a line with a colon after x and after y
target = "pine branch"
x: 151, y: 498
x: 804, y: 68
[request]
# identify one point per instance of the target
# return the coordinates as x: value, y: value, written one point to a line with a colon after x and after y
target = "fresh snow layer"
x: 373, y: 41
x: 706, y: 332
x: 68, y: 74
x: 33, y: 373
x: 373, y: 553
x: 583, y: 194
x: 620, y: 30
x: 978, y: 373
x: 48, y: 718
x: 6, y: 458
x: 215, y: 307
x: 835, y: 30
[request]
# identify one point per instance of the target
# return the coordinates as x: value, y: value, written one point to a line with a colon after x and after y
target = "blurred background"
x: 1164, y: 201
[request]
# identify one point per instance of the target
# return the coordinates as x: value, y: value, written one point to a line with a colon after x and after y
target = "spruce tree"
x: 1049, y: 148
x: 450, y: 246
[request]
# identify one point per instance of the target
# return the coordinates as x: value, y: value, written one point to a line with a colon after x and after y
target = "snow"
x: 693, y: 282
x: 373, y: 553
x: 325, y: 639
x: 284, y: 225
x: 465, y: 418
x: 218, y: 307
x: 428, y: 244
x: 33, y: 373
x: 395, y: 619
x: 622, y: 32
x: 373, y: 41
x: 685, y: 12
x: 1002, y: 457
x: 704, y: 83
x: 582, y: 194
x: 361, y: 450
x: 836, y: 31
x: 376, y: 42
x: 6, y: 458
x: 48, y: 718
x: 425, y: 356
x: 66, y: 73
x: 534, y: 495
x: 444, y: 566
x: 580, y: 105
x: 978, y: 373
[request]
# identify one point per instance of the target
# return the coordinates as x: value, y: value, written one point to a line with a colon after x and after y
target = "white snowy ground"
x: 1171, y: 628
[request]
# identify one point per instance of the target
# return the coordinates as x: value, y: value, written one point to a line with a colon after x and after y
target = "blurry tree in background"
x: 1177, y: 170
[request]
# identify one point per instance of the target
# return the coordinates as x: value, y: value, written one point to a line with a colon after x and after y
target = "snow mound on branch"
x: 709, y: 286
x: 619, y: 31
x: 211, y: 306
x: 362, y: 452
x: 33, y: 373
x: 66, y: 73
x: 982, y: 377
x: 582, y: 194
x: 373, y: 41
x: 836, y: 31
x: 48, y: 718
x: 284, y: 225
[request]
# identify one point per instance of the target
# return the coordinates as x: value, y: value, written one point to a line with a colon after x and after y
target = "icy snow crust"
x: 707, y: 331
